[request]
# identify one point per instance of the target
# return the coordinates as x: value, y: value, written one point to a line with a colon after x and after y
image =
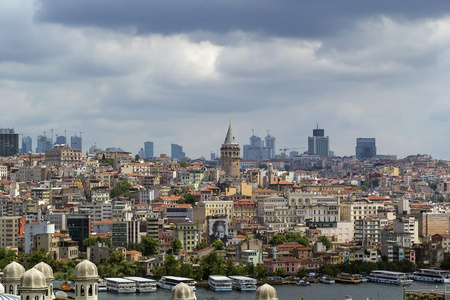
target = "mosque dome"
x: 85, y: 270
x: 13, y: 271
x: 33, y: 279
x: 45, y: 269
x: 266, y: 292
x: 182, y: 292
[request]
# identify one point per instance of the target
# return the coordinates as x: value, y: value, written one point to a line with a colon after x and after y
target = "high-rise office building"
x: 61, y: 140
x: 9, y: 142
x: 43, y: 143
x: 76, y: 142
x: 27, y: 144
x: 177, y: 151
x: 148, y: 150
x: 365, y: 148
x: 318, y: 144
x: 270, y: 144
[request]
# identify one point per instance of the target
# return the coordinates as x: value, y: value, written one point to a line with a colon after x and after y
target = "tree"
x: 302, y: 272
x: 218, y: 245
x: 201, y: 245
x: 186, y: 271
x: 176, y: 245
x: 261, y: 271
x: 326, y: 242
x: 122, y: 189
x: 150, y: 245
x: 213, y: 264
x: 280, y: 272
x: 116, y: 257
x: 190, y: 199
x: 38, y: 256
x: 277, y: 239
x: 183, y: 164
x: 171, y: 265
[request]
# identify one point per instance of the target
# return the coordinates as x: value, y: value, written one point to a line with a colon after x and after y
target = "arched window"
x: 82, y: 290
x: 28, y: 297
x: 36, y: 298
x: 11, y: 289
x: 90, y: 290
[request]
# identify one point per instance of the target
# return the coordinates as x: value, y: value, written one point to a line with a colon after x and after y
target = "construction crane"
x: 285, y: 149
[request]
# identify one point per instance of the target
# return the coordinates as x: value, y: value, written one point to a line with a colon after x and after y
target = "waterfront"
x: 317, y: 291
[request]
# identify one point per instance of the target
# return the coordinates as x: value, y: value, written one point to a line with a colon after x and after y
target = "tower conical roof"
x: 229, y: 140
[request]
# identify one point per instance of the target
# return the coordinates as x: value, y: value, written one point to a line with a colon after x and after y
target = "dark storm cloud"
x: 289, y: 18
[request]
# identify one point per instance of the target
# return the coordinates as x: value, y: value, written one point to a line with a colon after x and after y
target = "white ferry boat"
x: 220, y: 283
x: 389, y: 277
x: 169, y: 282
x: 143, y: 285
x: 120, y: 285
x: 432, y: 275
x: 244, y: 283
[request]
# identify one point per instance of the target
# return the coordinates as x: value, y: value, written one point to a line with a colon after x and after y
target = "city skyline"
x: 123, y: 74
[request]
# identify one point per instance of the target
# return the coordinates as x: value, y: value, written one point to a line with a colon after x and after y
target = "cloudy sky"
x: 176, y: 71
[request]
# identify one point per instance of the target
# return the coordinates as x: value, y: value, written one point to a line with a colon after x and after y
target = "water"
x: 317, y: 291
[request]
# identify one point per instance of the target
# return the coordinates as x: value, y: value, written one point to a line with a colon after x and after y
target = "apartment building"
x: 11, y: 228
x: 188, y: 233
x: 359, y: 209
x: 368, y: 232
x: 60, y: 246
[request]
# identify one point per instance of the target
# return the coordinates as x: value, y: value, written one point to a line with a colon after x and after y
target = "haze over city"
x: 176, y: 72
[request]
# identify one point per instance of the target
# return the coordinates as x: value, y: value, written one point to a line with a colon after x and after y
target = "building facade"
x: 230, y: 155
x: 318, y: 144
x: 365, y: 148
x: 9, y: 142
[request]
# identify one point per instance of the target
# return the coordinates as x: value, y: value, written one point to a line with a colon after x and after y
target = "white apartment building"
x: 3, y: 172
x: 407, y: 225
x: 359, y: 209
x: 368, y: 232
x: 31, y: 229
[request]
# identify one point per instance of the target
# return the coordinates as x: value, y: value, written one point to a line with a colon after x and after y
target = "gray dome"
x: 13, y: 271
x: 45, y: 269
x: 182, y: 292
x: 33, y: 279
x: 266, y: 292
x: 85, y: 270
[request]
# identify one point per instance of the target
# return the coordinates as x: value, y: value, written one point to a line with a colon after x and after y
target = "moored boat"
x: 169, y: 282
x: 347, y: 278
x: 220, y: 283
x: 432, y: 275
x: 244, y: 283
x: 383, y: 276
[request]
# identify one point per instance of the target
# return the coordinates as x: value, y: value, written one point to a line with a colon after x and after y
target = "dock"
x: 434, y: 294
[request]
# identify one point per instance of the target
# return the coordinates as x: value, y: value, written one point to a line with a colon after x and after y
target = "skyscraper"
x: 76, y: 142
x: 61, y: 140
x: 270, y: 144
x: 365, y: 148
x: 27, y: 144
x: 9, y: 142
x: 177, y: 151
x: 43, y: 143
x: 318, y: 144
x: 148, y: 150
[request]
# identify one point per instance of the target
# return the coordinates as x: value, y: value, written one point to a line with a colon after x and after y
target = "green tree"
x: 201, y: 245
x: 38, y: 256
x: 218, y: 245
x: 213, y: 264
x: 150, y: 245
x: 261, y: 271
x: 186, y: 271
x: 280, y: 272
x: 277, y: 239
x: 171, y: 265
x: 190, y: 199
x: 183, y: 164
x: 176, y: 245
x: 116, y: 257
x: 302, y: 272
x: 295, y: 237
x: 122, y: 189
x: 326, y: 242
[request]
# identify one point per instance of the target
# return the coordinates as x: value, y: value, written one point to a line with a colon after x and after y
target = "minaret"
x: 86, y: 281
x: 11, y: 277
x: 230, y: 155
x: 33, y: 285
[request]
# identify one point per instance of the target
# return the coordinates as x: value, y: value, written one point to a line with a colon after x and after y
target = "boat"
x: 327, y: 280
x: 348, y: 297
x: 120, y: 285
x: 169, y: 282
x: 65, y: 288
x: 102, y: 287
x: 143, y: 285
x: 244, y: 283
x: 303, y: 282
x: 220, y: 283
x: 383, y: 276
x: 347, y: 278
x: 432, y: 275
